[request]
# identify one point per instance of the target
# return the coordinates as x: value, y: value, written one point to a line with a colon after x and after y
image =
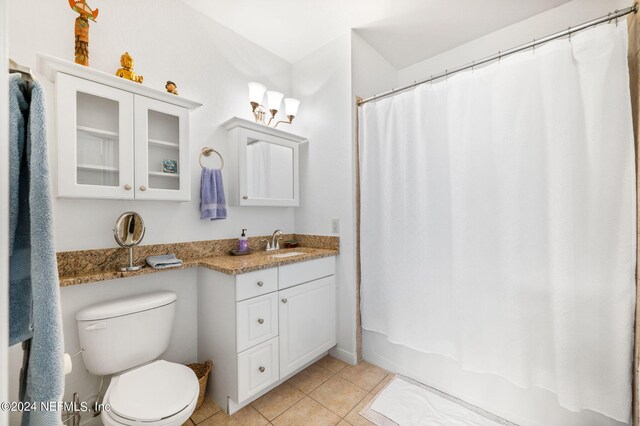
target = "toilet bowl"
x: 125, y: 338
x: 157, y: 394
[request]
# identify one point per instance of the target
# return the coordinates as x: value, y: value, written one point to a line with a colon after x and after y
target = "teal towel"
x: 33, y: 272
x: 19, y: 216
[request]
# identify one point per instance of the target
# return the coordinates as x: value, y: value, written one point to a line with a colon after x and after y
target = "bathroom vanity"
x: 262, y: 327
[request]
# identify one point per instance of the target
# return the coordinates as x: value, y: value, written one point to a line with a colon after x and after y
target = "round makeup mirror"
x: 128, y: 232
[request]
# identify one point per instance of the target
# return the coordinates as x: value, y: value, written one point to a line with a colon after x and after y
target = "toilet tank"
x: 121, y: 334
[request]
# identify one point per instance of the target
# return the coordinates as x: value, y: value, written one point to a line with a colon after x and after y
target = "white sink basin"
x: 288, y: 254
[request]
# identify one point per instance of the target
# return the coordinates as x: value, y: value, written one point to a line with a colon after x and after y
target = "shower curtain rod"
x: 568, y: 32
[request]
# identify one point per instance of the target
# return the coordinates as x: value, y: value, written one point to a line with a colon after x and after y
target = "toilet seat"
x: 161, y: 393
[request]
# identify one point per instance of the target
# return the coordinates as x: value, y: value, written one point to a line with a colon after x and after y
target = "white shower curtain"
x: 498, y: 220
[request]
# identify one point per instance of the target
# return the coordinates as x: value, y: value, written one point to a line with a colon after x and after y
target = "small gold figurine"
x: 171, y: 87
x: 127, y: 69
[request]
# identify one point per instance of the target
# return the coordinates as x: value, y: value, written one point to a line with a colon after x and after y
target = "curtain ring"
x: 617, y: 13
x: 569, y: 29
x: 533, y: 46
x: 499, y: 56
x: 609, y: 18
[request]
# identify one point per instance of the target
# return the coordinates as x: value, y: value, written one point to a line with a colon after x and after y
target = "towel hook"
x: 206, y: 151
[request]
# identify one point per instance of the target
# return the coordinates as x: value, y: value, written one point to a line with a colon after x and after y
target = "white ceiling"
x: 403, y: 31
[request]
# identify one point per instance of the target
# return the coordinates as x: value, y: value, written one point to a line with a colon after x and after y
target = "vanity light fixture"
x: 274, y: 100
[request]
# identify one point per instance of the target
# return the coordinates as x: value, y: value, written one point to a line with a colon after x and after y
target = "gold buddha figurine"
x: 127, y: 69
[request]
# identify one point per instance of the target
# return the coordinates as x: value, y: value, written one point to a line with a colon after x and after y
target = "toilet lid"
x: 153, y: 392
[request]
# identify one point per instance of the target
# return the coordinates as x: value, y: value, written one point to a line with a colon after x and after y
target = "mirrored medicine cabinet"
x: 264, y: 165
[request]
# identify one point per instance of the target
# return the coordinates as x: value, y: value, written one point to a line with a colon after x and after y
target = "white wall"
x: 211, y: 64
x: 168, y: 41
x: 524, y: 406
x: 554, y: 20
x: 371, y: 72
x: 321, y: 81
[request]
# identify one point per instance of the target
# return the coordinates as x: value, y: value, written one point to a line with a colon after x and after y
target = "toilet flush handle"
x: 97, y: 326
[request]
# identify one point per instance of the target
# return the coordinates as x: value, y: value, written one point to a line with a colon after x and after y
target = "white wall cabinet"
x: 118, y: 139
x: 263, y: 164
x: 259, y: 334
x: 95, y: 139
x: 161, y: 134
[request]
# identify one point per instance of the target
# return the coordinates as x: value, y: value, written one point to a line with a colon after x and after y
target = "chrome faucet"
x: 274, y: 244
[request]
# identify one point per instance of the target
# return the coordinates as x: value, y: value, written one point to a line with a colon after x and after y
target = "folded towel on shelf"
x: 213, y: 205
x: 164, y: 261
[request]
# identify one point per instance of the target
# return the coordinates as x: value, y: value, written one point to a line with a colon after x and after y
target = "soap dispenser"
x: 243, y: 242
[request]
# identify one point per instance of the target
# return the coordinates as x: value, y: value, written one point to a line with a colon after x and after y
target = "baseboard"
x: 346, y: 356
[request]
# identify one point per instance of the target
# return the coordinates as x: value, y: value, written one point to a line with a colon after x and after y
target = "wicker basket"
x: 202, y: 373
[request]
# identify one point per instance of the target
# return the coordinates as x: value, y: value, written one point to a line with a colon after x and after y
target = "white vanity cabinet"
x: 307, y: 323
x: 259, y: 329
x: 118, y: 139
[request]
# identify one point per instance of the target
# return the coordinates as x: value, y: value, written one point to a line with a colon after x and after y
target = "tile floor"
x: 329, y: 392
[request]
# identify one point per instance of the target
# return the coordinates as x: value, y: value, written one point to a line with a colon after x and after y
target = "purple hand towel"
x: 212, y: 202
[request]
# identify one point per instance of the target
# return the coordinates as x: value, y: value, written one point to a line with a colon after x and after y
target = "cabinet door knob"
x: 261, y: 369
x: 143, y: 188
x: 260, y: 283
x: 245, y: 198
x: 127, y: 187
x: 284, y: 300
x: 260, y: 321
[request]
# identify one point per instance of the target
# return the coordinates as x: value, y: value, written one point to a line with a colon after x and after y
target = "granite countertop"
x: 224, y: 263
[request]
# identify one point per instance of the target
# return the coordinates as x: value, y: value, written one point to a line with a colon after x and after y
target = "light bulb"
x: 274, y: 99
x: 291, y: 106
x: 256, y: 92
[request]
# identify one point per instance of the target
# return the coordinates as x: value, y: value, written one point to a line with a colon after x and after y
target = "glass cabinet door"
x: 161, y: 131
x: 95, y: 139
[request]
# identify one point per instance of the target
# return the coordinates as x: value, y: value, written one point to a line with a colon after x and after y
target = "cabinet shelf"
x: 163, y: 174
x: 96, y: 168
x: 164, y: 144
x: 99, y: 133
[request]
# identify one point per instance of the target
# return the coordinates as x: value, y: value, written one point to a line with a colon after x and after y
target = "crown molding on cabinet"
x: 251, y: 125
x: 50, y: 66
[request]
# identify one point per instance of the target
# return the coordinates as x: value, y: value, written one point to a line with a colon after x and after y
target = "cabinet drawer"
x: 298, y: 273
x: 257, y: 320
x: 255, y: 283
x: 257, y: 369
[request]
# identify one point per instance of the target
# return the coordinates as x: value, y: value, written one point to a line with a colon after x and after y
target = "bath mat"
x: 405, y: 402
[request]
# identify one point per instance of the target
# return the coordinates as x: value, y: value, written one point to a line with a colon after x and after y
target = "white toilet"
x: 124, y: 338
